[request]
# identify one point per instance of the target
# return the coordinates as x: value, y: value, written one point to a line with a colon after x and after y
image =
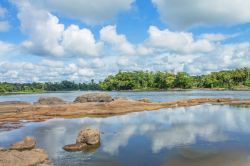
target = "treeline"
x: 142, y: 80
x: 145, y: 80
x: 48, y: 86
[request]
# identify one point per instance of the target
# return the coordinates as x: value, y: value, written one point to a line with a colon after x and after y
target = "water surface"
x: 154, y: 96
x: 204, y: 135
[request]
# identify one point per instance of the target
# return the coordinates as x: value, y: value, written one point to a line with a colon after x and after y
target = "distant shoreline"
x: 135, y: 90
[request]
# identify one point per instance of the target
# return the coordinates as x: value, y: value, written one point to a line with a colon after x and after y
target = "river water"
x: 204, y: 135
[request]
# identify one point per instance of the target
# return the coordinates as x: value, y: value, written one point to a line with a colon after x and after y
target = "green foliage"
x: 141, y: 80
x: 247, y: 83
x: 48, y: 86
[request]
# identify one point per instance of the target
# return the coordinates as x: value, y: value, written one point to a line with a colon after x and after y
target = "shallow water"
x: 203, y: 135
x: 154, y: 96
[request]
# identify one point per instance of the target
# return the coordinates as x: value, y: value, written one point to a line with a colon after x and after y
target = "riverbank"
x: 14, y: 114
x: 136, y: 90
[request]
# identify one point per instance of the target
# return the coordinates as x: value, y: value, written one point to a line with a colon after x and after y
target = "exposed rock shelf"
x: 12, y: 114
x: 24, y: 153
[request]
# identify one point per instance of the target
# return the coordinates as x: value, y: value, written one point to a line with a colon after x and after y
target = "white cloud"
x: 52, y: 63
x: 86, y: 72
x: 182, y: 14
x: 6, y: 48
x: 177, y: 41
x: 85, y: 10
x: 48, y: 37
x: 80, y: 41
x: 213, y: 37
x: 118, y: 41
x: 4, y: 26
x: 43, y: 29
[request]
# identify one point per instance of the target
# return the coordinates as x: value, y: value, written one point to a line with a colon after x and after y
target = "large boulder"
x: 88, y: 136
x: 50, y: 101
x: 27, y: 144
x: 93, y: 97
x: 87, y: 140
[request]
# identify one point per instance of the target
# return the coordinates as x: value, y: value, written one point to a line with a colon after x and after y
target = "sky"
x: 80, y: 40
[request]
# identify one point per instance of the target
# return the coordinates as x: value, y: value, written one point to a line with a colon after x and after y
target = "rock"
x: 88, y: 136
x: 93, y: 97
x: 87, y: 140
x: 50, y: 101
x: 14, y: 103
x: 146, y: 100
x: 27, y: 144
x: 36, y: 157
x: 2, y: 149
x: 75, y: 147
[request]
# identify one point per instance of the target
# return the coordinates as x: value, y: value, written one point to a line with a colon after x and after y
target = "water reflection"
x: 155, y: 134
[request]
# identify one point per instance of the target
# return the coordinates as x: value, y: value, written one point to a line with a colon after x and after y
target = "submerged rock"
x: 93, y: 97
x: 27, y: 144
x: 75, y: 147
x: 146, y: 100
x: 88, y: 136
x: 87, y: 140
x: 50, y: 101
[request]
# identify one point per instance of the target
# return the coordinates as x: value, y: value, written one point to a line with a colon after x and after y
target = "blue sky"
x: 53, y: 40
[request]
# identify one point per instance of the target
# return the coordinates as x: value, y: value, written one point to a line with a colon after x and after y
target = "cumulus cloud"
x: 118, y: 42
x: 48, y: 37
x: 80, y: 41
x: 177, y: 41
x: 43, y: 28
x: 182, y: 14
x: 6, y: 48
x: 85, y: 10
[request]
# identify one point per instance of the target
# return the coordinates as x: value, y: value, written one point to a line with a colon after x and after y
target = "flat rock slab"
x: 34, y: 157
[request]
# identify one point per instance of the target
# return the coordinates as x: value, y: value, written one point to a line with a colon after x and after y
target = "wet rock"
x: 2, y: 149
x: 88, y: 136
x: 27, y: 144
x: 94, y: 97
x: 14, y: 103
x: 87, y: 140
x: 50, y: 101
x: 75, y: 147
x: 34, y: 157
x: 146, y: 100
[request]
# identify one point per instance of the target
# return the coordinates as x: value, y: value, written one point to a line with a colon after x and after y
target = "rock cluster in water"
x: 24, y: 153
x: 93, y: 97
x: 87, y: 139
